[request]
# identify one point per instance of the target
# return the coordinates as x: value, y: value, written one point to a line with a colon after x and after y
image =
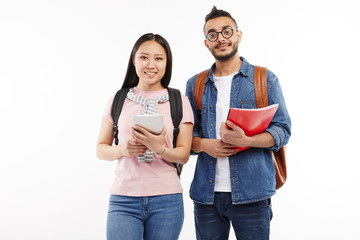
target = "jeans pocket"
x: 267, y: 203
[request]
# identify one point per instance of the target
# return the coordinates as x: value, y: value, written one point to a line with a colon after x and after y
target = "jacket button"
x: 211, y: 106
x: 210, y: 181
x: 211, y: 161
x: 211, y: 125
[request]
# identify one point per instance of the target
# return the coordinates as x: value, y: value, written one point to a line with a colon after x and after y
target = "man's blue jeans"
x: 148, y: 218
x: 250, y: 221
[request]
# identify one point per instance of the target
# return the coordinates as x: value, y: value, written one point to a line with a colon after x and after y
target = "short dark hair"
x: 215, y: 13
x: 131, y: 78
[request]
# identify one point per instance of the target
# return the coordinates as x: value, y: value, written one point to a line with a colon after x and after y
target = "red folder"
x: 252, y: 121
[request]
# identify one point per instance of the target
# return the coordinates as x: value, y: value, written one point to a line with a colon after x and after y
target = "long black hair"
x: 131, y: 78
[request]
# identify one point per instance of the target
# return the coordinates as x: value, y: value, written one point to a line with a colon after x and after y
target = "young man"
x: 231, y: 186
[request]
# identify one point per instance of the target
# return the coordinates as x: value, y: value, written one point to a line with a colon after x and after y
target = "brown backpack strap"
x: 261, y: 93
x: 199, y: 88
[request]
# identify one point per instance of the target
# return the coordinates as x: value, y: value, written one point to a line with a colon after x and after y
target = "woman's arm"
x: 180, y: 154
x: 105, y: 150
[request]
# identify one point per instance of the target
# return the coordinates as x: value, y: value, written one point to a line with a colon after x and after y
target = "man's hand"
x: 218, y: 149
x: 232, y: 134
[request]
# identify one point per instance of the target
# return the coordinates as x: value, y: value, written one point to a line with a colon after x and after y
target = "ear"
x: 239, y: 34
x: 206, y: 43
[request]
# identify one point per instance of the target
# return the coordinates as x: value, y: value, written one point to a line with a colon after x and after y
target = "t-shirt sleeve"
x: 107, y: 110
x: 188, y: 116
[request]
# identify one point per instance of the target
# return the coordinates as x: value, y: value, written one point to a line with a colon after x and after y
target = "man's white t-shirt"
x: 223, y: 85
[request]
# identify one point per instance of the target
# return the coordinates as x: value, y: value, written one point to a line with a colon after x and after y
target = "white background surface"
x: 60, y: 61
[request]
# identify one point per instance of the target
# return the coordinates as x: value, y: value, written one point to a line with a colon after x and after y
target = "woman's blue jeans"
x: 148, y: 218
x: 250, y: 221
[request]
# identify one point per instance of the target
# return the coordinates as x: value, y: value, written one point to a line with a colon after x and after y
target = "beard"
x: 225, y: 57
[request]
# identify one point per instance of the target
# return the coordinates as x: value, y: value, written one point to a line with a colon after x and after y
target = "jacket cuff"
x: 278, y: 136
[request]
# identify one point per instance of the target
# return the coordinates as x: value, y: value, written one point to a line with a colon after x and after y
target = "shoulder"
x: 271, y: 78
x: 183, y: 97
x: 248, y: 69
x: 187, y: 110
x: 191, y: 81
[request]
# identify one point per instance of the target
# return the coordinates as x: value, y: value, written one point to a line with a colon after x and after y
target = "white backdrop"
x: 60, y: 61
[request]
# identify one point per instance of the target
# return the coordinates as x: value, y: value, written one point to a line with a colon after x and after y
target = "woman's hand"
x: 152, y: 141
x: 106, y: 151
x: 132, y: 148
x: 178, y: 154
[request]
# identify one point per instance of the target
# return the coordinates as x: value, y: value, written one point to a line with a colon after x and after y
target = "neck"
x: 227, y: 67
x: 149, y: 87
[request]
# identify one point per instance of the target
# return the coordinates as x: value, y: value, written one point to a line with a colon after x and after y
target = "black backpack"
x: 175, y: 108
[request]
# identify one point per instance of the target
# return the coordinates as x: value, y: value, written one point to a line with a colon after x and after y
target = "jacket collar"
x: 244, y: 70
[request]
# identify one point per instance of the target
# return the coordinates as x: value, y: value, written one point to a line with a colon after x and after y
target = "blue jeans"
x: 148, y: 218
x: 250, y: 221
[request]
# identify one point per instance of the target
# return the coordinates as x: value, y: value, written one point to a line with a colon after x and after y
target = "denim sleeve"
x: 190, y: 94
x: 280, y: 126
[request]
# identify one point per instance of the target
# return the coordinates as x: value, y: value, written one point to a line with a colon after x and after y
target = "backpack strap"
x: 199, y: 88
x: 176, y: 110
x: 261, y: 93
x: 116, y: 108
x: 176, y: 116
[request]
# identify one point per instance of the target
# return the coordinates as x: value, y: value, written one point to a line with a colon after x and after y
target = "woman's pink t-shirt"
x: 146, y: 179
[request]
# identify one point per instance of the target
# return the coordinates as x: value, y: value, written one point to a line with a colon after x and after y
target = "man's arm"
x: 280, y: 126
x: 236, y: 136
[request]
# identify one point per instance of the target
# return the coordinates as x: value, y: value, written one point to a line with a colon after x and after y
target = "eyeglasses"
x: 212, y: 36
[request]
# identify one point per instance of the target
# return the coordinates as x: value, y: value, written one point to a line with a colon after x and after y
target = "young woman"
x: 146, y: 197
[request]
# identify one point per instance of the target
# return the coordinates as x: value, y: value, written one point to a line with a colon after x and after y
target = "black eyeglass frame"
x: 217, y: 34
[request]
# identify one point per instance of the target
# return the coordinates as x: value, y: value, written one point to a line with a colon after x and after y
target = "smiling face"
x: 150, y: 64
x: 223, y: 48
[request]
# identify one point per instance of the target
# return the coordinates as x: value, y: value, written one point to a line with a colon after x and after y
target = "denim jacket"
x: 252, y: 171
